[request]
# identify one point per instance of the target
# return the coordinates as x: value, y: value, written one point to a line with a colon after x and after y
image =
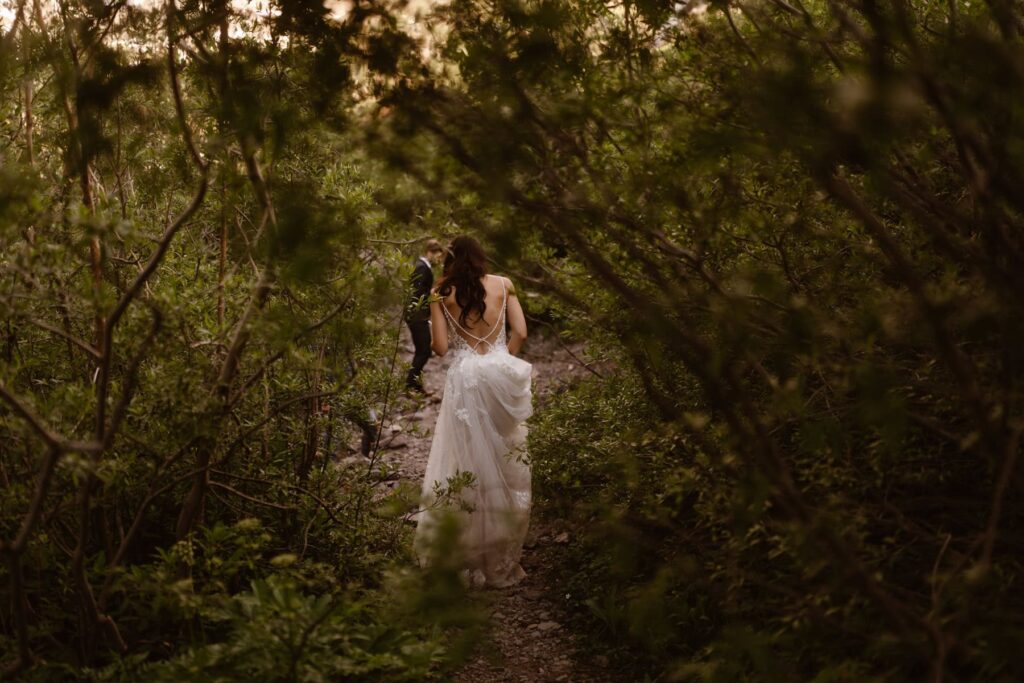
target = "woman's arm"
x: 438, y: 326
x: 516, y: 319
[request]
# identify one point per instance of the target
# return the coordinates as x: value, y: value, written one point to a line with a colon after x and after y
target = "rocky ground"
x: 529, y: 640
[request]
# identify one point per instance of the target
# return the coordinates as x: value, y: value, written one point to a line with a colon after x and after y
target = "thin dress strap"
x: 481, y: 340
x: 504, y: 305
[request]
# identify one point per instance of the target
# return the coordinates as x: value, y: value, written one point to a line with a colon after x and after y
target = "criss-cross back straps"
x: 482, y: 340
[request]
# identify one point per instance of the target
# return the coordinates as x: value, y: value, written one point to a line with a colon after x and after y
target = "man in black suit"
x: 417, y: 312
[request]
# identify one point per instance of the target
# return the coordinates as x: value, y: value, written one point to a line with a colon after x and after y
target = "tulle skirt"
x: 481, y: 430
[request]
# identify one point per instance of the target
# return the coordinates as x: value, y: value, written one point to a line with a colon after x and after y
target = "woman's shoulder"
x: 507, y: 283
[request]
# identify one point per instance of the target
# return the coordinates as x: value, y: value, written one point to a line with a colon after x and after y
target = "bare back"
x: 483, y: 332
x: 480, y: 334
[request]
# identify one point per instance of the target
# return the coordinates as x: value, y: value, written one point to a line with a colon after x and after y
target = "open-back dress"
x: 481, y: 429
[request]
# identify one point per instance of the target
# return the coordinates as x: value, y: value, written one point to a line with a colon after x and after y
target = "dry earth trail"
x: 528, y: 639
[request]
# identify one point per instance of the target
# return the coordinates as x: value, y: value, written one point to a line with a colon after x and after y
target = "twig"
x: 88, y: 348
x: 131, y: 376
x: 52, y: 438
x: 224, y: 487
x: 1009, y: 462
x: 320, y: 501
x: 277, y: 410
x: 387, y: 398
x: 401, y: 243
x: 280, y: 354
x: 565, y: 346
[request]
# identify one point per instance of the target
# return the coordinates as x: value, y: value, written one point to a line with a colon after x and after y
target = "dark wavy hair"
x: 465, y: 264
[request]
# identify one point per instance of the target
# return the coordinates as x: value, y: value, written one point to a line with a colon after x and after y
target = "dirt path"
x: 528, y: 639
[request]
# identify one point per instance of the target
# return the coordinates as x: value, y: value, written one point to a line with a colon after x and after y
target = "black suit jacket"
x: 421, y: 282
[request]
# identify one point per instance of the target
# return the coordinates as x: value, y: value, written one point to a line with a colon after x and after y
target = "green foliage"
x: 790, y: 234
x: 181, y: 386
x: 275, y: 632
x: 677, y: 566
x: 793, y: 229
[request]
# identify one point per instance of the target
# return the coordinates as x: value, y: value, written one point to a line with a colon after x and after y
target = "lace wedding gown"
x: 480, y: 429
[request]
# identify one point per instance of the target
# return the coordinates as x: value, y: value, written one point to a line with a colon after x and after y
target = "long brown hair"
x: 465, y: 264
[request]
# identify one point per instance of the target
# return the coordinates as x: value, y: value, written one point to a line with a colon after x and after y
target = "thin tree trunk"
x: 312, y: 422
x: 28, y: 92
x: 122, y: 197
x: 222, y: 262
x: 92, y: 620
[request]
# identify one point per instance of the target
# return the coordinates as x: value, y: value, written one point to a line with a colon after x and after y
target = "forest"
x: 780, y: 243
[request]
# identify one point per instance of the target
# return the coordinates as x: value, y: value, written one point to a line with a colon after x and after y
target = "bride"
x: 480, y: 427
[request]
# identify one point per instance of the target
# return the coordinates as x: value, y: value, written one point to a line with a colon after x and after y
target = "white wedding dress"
x: 480, y: 429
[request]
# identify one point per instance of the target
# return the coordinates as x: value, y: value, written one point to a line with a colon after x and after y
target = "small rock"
x: 562, y: 537
x: 548, y: 626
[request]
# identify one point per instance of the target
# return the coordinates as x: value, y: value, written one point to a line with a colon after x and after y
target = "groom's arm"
x: 423, y: 280
x: 420, y: 281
